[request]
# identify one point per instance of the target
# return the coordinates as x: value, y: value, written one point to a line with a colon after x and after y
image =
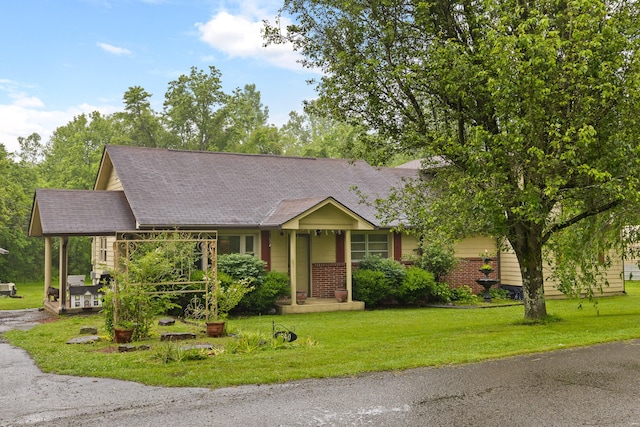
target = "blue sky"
x: 61, y: 58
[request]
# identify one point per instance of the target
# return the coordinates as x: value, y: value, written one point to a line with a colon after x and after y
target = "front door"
x: 303, y: 276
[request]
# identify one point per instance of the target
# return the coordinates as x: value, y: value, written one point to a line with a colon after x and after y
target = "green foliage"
x: 514, y: 106
x: 263, y: 297
x: 393, y: 270
x: 371, y: 287
x: 439, y: 259
x: 129, y: 307
x: 440, y: 293
x: 463, y: 295
x: 240, y: 266
x: 415, y: 287
x: 229, y: 296
x: 170, y: 352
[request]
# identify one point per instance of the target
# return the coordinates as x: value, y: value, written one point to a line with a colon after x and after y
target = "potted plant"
x: 123, y: 332
x: 227, y: 294
x: 341, y: 294
x: 301, y: 297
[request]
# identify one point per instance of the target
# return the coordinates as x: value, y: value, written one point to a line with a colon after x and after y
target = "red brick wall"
x: 467, y: 272
x: 327, y: 277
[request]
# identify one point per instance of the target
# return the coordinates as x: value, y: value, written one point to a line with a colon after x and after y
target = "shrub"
x: 463, y: 294
x: 438, y: 259
x: 240, y: 267
x: 393, y: 270
x: 440, y: 293
x: 264, y: 296
x: 416, y: 285
x: 370, y: 286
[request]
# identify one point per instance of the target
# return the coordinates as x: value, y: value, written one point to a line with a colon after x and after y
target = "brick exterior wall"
x: 467, y: 271
x: 327, y: 277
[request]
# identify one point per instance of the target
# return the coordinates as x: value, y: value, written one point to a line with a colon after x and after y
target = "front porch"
x: 318, y: 305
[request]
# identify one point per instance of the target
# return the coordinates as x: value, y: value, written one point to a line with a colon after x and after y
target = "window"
x: 369, y: 244
x: 76, y: 300
x: 102, y: 256
x: 238, y: 244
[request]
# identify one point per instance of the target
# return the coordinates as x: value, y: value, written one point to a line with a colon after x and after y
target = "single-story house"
x: 302, y: 216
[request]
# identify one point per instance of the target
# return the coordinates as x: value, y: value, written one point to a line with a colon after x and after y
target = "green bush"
x: 440, y: 293
x: 241, y: 267
x: 415, y: 287
x: 393, y: 270
x: 264, y: 296
x: 370, y: 286
x: 463, y: 295
x: 438, y: 259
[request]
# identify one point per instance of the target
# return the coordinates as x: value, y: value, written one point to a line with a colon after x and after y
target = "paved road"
x: 593, y: 386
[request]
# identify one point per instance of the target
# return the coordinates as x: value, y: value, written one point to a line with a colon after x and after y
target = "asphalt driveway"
x: 591, y: 386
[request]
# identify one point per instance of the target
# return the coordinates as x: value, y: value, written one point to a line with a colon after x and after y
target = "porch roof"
x: 79, y: 213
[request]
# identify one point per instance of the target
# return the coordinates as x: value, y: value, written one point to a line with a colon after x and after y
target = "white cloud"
x: 241, y: 36
x: 114, y: 49
x: 18, y: 120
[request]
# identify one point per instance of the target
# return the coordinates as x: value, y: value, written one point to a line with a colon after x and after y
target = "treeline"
x: 197, y: 115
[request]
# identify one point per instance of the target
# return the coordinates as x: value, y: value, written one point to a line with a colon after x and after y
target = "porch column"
x: 47, y: 266
x: 292, y: 265
x: 63, y: 272
x: 347, y: 260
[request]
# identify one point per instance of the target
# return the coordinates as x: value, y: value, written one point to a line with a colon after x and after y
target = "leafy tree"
x: 31, y: 149
x: 73, y: 154
x: 142, y: 126
x: 17, y: 183
x: 244, y: 117
x: 528, y: 109
x: 193, y: 109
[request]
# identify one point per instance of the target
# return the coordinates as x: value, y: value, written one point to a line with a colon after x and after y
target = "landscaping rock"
x: 166, y: 322
x: 88, y: 330
x: 90, y: 339
x: 177, y: 336
x: 128, y: 347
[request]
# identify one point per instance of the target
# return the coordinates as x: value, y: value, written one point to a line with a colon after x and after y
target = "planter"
x: 301, y: 297
x: 341, y: 295
x: 122, y: 336
x: 215, y: 329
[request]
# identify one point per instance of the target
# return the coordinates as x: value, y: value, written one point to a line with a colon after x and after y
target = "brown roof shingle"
x: 197, y: 189
x: 80, y: 212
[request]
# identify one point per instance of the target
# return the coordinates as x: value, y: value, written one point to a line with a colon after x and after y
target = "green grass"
x: 342, y: 343
x: 31, y: 296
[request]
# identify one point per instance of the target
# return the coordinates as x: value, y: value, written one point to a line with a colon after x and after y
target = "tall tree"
x: 142, y: 126
x: 530, y: 107
x: 244, y: 115
x: 73, y: 153
x: 17, y: 184
x: 192, y: 109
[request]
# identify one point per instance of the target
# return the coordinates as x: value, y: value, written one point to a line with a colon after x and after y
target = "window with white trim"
x: 369, y: 244
x: 237, y: 244
x: 102, y: 256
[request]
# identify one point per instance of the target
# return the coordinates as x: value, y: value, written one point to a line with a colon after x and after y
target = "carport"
x: 60, y: 214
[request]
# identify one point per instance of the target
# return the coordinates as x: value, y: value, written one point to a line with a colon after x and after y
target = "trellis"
x: 179, y: 249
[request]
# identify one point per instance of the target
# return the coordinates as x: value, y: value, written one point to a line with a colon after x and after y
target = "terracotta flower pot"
x: 341, y: 295
x: 301, y: 297
x: 215, y: 329
x: 122, y: 336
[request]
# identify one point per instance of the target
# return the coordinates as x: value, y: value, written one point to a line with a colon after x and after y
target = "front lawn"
x: 337, y: 344
x: 30, y: 295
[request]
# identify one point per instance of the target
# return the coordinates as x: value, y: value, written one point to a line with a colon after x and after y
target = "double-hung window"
x: 369, y: 244
x: 102, y: 256
x: 237, y: 244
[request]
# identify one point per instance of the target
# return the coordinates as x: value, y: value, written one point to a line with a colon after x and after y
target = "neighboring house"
x: 302, y: 216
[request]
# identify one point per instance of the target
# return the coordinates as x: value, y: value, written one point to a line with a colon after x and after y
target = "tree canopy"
x: 527, y: 111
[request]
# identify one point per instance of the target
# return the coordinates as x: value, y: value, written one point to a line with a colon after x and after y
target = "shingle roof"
x: 80, y: 212
x: 196, y: 189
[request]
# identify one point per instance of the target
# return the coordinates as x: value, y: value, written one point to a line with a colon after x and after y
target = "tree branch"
x: 577, y: 218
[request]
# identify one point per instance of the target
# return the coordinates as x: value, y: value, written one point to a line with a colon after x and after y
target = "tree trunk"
x: 527, y: 243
